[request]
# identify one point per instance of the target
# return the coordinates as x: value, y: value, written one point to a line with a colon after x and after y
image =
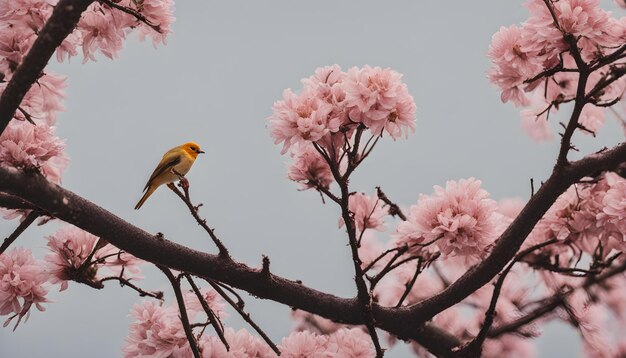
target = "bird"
x: 176, y: 162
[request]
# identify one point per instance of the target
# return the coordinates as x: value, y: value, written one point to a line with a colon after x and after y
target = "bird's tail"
x: 145, y: 196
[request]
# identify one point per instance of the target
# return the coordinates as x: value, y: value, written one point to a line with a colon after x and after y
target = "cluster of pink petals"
x: 156, y: 332
x: 71, y: 246
x: 368, y: 211
x: 377, y: 98
x: 334, y: 101
x: 25, y: 146
x: 309, y: 168
x: 343, y: 343
x: 22, y: 283
x: 586, y: 215
x: 242, y: 344
x: 519, y: 53
x: 459, y: 219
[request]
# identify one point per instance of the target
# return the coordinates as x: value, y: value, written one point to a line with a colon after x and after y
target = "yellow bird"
x: 177, y: 160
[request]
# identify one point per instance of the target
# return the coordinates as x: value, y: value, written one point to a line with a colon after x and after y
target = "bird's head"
x: 192, y: 148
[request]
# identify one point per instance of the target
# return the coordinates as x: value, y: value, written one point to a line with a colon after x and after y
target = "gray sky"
x: 215, y: 83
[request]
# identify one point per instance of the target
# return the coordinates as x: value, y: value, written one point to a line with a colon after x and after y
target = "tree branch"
x: 61, y: 23
x: 73, y: 209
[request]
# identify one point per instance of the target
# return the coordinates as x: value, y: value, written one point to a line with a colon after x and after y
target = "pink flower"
x: 159, y: 13
x: 70, y: 247
x: 377, y: 98
x: 22, y: 283
x: 512, y: 64
x: 351, y: 343
x: 303, y: 117
x: 211, y: 297
x: 304, y: 344
x: 156, y: 332
x: 118, y: 262
x: 23, y: 145
x: 309, y: 168
x: 459, y: 219
x: 368, y: 211
x: 101, y: 30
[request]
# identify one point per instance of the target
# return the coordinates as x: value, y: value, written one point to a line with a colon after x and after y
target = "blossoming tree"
x: 556, y: 256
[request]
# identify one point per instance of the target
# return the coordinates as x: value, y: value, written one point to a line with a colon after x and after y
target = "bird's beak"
x: 200, y: 151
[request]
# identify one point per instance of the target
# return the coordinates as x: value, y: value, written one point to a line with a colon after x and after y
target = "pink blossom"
x: 368, y: 211
x: 22, y: 283
x: 211, y: 297
x: 512, y: 65
x: 156, y: 332
x: 70, y: 247
x: 621, y: 3
x: 119, y: 262
x: 459, y: 219
x: 101, y: 30
x: 612, y: 216
x: 242, y: 344
x: 23, y: 145
x: 581, y: 18
x: 377, y: 98
x: 303, y: 117
x: 309, y: 168
x: 304, y: 345
x: 350, y: 343
x: 159, y: 13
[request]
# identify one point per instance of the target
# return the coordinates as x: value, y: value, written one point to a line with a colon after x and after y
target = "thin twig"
x: 394, y: 209
x: 411, y: 283
x: 244, y: 315
x: 28, y: 220
x: 223, y: 251
x: 217, y: 325
x: 124, y: 282
x: 184, y: 318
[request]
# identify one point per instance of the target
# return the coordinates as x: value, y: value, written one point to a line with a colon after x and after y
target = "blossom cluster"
x: 24, y: 281
x: 331, y: 113
x: 557, y: 36
x: 157, y: 331
x: 589, y: 217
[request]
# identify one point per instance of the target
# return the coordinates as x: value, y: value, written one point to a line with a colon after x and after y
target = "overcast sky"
x: 215, y: 83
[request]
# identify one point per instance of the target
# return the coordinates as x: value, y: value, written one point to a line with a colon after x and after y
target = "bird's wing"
x: 170, y: 159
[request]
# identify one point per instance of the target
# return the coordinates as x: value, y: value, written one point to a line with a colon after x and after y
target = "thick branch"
x: 71, y: 208
x: 62, y: 22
